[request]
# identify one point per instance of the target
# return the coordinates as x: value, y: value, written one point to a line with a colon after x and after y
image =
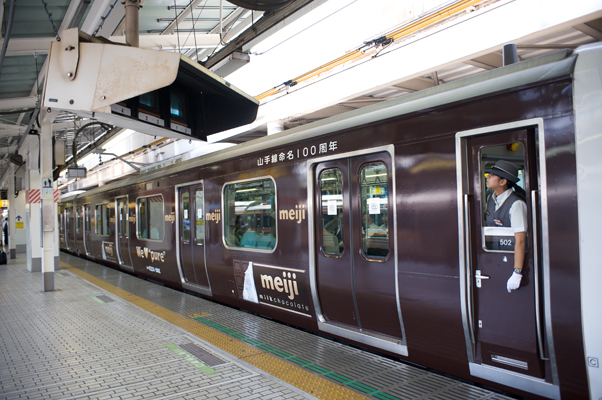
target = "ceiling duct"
x: 261, y: 5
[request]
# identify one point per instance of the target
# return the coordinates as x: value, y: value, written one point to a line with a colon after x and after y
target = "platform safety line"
x: 306, y: 381
x: 304, y: 363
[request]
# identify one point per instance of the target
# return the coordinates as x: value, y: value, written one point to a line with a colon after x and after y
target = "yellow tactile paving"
x: 287, y: 372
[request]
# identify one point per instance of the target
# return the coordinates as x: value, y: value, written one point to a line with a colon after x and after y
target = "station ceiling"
x: 209, y: 31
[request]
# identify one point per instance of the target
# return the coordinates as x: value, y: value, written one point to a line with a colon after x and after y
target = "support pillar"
x: 48, y: 214
x: 132, y: 34
x: 33, y: 212
x: 12, y: 250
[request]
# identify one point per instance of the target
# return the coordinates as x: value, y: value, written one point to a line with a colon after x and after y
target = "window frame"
x: 148, y: 225
x: 223, y: 224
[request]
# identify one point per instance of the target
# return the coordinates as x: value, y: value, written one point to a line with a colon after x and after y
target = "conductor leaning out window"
x: 506, y: 209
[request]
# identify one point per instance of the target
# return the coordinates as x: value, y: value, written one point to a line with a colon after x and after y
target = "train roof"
x: 542, y: 68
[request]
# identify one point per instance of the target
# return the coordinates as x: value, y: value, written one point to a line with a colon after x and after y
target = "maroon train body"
x: 408, y: 285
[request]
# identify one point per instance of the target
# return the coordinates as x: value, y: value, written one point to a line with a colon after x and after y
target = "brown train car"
x: 370, y: 227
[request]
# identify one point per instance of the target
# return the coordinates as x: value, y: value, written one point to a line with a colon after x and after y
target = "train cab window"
x: 374, y: 209
x: 150, y: 217
x: 331, y: 184
x: 186, y: 217
x: 102, y: 220
x: 501, y: 218
x: 250, y: 214
x: 200, y: 220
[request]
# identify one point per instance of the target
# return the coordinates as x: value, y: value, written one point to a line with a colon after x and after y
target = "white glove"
x: 514, y: 282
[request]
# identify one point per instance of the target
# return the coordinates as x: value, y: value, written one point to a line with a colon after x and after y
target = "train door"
x: 123, y: 231
x: 191, y: 237
x: 505, y: 329
x: 355, y: 270
x: 87, y: 229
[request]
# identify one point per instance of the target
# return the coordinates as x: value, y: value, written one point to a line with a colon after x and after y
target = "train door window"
x: 142, y: 218
x: 123, y: 228
x: 331, y: 184
x: 78, y: 220
x: 497, y: 232
x: 374, y: 210
x: 102, y: 220
x: 61, y: 226
x: 107, y: 219
x: 151, y: 217
x: 200, y: 221
x: 250, y: 214
x: 186, y: 217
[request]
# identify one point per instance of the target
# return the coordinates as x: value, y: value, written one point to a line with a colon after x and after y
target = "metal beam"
x: 183, y: 14
x: 267, y: 22
x: 588, y: 30
x: 15, y: 103
x: 227, y: 22
x: 171, y: 41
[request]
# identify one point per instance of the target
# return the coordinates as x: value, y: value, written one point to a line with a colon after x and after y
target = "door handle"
x: 478, y: 277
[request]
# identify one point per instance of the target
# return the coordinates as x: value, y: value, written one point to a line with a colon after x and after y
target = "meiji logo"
x: 297, y: 214
x: 171, y: 217
x: 148, y: 253
x: 287, y: 283
x: 214, y: 216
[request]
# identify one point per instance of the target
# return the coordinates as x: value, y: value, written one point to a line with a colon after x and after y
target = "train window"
x: 374, y: 209
x: 151, y: 217
x: 250, y: 214
x: 186, y: 217
x: 331, y: 184
x: 500, y: 221
x: 200, y: 221
x: 102, y: 220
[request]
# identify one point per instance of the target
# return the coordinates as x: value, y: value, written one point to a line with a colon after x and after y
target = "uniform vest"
x: 501, y: 218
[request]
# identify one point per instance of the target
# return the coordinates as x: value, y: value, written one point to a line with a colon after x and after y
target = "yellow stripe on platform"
x: 287, y: 372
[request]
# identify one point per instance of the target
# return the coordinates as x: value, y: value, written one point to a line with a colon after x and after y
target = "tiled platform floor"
x: 112, y: 335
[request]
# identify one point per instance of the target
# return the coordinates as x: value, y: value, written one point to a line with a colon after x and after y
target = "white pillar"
x: 48, y: 214
x: 11, y: 211
x: 33, y: 214
x: 275, y: 127
x: 19, y: 227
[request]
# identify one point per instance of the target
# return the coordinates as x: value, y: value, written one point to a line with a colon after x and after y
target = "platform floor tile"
x: 67, y: 344
x: 103, y: 343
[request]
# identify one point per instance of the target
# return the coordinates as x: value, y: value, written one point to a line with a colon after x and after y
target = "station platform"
x: 104, y: 334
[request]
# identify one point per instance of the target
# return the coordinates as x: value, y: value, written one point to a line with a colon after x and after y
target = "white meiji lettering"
x: 297, y: 214
x: 286, y: 284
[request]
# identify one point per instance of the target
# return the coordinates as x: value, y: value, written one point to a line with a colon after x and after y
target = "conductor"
x: 506, y: 209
